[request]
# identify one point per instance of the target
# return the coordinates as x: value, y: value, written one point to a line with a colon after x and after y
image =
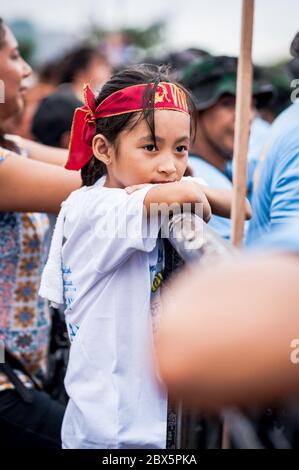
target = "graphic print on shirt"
x: 69, y: 291
x: 68, y: 287
x: 72, y: 330
x: 156, y: 268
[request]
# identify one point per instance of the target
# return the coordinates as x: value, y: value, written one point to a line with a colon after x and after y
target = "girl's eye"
x: 15, y: 56
x: 182, y: 149
x: 150, y: 148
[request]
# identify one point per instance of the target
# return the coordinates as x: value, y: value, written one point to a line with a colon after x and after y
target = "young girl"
x: 131, y: 144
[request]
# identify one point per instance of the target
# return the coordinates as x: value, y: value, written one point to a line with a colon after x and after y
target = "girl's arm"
x: 46, y: 154
x: 220, y: 200
x: 178, y: 193
x: 30, y: 186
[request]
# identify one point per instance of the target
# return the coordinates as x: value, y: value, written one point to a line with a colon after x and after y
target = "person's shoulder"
x: 286, y: 123
x: 284, y: 134
x: 98, y: 190
x: 96, y: 197
x: 285, y: 143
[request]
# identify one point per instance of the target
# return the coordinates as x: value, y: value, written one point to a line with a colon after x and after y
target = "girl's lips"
x: 162, y: 182
x: 23, y: 90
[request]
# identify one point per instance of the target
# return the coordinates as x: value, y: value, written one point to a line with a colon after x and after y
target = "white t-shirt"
x: 116, y: 399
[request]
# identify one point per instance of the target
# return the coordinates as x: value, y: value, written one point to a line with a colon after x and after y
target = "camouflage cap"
x: 211, y: 77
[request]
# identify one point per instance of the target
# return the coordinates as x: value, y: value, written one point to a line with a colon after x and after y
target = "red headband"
x: 127, y: 100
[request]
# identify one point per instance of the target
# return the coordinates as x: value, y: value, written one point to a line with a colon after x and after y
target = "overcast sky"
x: 209, y: 24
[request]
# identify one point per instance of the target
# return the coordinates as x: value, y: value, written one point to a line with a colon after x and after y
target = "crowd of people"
x: 104, y: 164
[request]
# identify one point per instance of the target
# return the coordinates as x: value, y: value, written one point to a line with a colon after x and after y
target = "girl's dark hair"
x: 2, y: 33
x: 111, y: 127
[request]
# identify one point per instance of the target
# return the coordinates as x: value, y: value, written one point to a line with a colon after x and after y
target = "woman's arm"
x: 46, y: 154
x: 30, y: 186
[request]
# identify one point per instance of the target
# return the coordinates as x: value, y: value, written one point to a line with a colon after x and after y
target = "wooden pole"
x: 242, y: 128
x: 242, y: 125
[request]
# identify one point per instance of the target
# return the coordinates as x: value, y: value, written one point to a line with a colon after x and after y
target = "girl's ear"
x: 101, y: 148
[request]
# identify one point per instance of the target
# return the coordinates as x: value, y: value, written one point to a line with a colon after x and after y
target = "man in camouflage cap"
x: 212, y: 81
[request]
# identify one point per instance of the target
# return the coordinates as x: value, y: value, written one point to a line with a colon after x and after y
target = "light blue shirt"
x: 283, y: 238
x: 216, y: 179
x: 259, y: 133
x: 276, y: 200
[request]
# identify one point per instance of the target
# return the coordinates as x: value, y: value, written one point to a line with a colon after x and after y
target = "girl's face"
x: 137, y: 160
x: 13, y: 70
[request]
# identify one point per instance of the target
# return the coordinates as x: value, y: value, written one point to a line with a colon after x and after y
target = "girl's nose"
x: 26, y: 69
x: 167, y: 166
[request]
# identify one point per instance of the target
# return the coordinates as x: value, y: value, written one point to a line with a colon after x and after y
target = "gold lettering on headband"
x: 179, y: 97
x: 172, y: 94
x: 161, y: 94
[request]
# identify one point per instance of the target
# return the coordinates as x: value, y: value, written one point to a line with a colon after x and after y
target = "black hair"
x: 53, y: 117
x: 5, y: 143
x: 78, y: 59
x: 50, y: 72
x: 111, y: 127
x: 2, y: 33
x: 294, y: 49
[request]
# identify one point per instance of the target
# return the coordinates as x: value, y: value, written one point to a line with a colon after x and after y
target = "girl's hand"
x: 135, y: 187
